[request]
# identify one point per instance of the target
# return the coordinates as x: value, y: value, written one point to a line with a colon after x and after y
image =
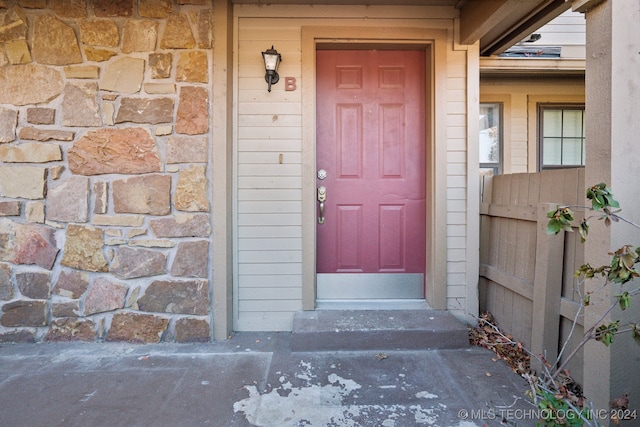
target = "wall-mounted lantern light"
x: 271, y: 61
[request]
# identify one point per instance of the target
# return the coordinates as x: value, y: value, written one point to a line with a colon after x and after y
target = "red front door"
x: 371, y: 161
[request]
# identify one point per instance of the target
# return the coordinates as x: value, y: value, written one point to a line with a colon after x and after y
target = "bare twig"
x: 573, y: 328
x: 590, y: 334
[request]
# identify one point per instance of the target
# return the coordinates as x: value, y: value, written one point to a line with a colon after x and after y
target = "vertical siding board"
x: 547, y: 288
x: 571, y: 242
x: 523, y: 190
x: 499, y: 306
x: 534, y: 189
x: 582, y: 186
x: 485, y: 238
x: 546, y: 187
x: 507, y: 313
x: 527, y: 324
x: 491, y: 298
x: 482, y: 292
x: 527, y: 230
x: 487, y: 189
x: 525, y: 263
x: 514, y: 193
x: 501, y: 262
x: 516, y: 329
x: 494, y: 245
x: 496, y: 185
x: 511, y: 245
x: 520, y: 330
x: 502, y: 188
x: 570, y: 186
x: 517, y: 198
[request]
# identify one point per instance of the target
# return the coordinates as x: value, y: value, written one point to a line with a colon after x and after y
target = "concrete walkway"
x: 254, y: 379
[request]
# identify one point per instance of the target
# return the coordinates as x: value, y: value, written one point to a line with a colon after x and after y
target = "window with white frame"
x: 561, y: 136
x: 490, y: 141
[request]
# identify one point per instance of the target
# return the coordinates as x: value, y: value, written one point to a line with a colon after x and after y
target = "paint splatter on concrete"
x: 332, y: 404
x: 426, y: 395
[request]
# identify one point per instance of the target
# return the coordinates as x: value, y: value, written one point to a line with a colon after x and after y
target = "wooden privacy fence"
x: 527, y: 276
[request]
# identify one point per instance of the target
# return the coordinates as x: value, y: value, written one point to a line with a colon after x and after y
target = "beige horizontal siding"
x: 568, y: 31
x: 256, y: 244
x: 269, y: 142
x: 261, y: 281
x: 269, y: 232
x: 249, y: 206
x: 269, y: 181
x: 269, y: 269
x: 248, y: 293
x: 519, y: 99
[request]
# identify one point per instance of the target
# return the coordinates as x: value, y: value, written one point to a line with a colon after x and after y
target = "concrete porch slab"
x: 355, y: 330
x: 253, y: 379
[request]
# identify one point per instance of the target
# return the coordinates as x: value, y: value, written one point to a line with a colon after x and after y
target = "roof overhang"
x: 496, y: 24
x: 454, y: 3
x: 532, y: 66
x: 499, y: 24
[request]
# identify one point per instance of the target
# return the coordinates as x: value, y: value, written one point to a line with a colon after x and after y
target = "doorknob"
x: 322, y: 197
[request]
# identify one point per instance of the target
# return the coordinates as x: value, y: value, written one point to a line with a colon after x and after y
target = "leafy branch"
x: 621, y: 269
x: 553, y: 390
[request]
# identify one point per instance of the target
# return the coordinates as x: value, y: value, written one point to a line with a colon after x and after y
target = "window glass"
x: 490, y: 141
x: 552, y: 151
x: 552, y: 123
x: 572, y: 123
x: 561, y: 136
x: 572, y: 151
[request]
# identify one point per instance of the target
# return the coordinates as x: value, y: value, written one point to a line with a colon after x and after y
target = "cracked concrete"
x: 252, y: 380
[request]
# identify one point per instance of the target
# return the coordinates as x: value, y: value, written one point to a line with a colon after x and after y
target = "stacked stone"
x: 104, y: 173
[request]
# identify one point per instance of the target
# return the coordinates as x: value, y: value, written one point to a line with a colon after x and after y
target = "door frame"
x: 434, y: 43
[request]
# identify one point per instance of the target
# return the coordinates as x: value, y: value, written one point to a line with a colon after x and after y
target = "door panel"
x: 349, y: 141
x: 392, y: 233
x: 371, y: 143
x: 349, y: 232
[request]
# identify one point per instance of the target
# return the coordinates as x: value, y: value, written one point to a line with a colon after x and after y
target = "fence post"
x: 547, y: 289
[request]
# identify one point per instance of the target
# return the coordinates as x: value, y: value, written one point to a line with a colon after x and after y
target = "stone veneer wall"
x: 104, y: 174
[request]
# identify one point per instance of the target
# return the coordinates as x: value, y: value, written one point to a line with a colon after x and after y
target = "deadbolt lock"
x: 322, y: 194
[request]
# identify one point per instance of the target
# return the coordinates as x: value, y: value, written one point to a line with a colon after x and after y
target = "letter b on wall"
x: 290, y: 84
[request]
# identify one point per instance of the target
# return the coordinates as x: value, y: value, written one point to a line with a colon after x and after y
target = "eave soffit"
x: 497, y: 24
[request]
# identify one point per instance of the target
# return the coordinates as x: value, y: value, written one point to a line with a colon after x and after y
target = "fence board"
x: 520, y: 189
x: 526, y: 240
x: 525, y: 213
x: 512, y: 241
x: 494, y: 244
x: 512, y: 283
x: 501, y: 261
x: 485, y: 234
x: 534, y: 189
x: 526, y: 276
x: 547, y: 288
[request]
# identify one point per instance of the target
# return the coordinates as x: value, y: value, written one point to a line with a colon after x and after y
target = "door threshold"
x: 369, y: 286
x: 372, y: 304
